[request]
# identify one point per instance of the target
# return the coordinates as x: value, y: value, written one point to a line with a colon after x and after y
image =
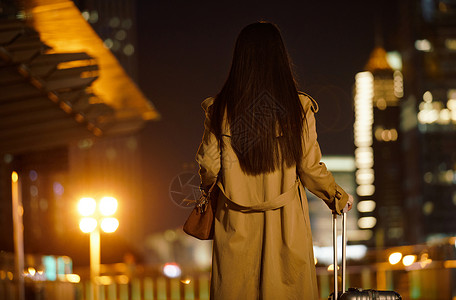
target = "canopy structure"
x: 58, y: 83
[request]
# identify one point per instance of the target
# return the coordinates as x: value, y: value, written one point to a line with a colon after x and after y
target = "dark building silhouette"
x: 115, y: 22
x: 428, y: 118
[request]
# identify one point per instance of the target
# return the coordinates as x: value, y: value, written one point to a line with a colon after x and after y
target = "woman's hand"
x: 349, y: 204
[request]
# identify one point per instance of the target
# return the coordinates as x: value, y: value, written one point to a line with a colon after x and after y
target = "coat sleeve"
x: 208, y: 155
x: 313, y: 173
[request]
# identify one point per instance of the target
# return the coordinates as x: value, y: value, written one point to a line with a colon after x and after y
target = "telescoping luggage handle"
x: 344, y: 246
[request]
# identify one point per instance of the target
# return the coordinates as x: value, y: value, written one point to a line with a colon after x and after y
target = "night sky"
x: 185, y: 48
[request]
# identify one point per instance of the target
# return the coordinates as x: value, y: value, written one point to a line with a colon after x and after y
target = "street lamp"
x: 91, y: 217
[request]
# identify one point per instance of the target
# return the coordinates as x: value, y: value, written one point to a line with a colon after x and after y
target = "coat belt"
x: 275, y: 203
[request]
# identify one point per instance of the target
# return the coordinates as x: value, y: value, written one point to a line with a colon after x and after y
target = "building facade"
x: 115, y: 22
x: 428, y: 118
x: 378, y: 91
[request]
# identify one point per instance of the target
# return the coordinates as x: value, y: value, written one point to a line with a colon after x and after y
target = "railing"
x: 431, y: 283
x: 112, y: 288
x: 147, y: 288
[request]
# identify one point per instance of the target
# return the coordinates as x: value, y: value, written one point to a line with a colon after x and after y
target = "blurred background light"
x: 408, y: 260
x: 58, y: 188
x: 14, y: 177
x: 87, y: 225
x: 427, y: 96
x: 108, y: 206
x: 129, y: 49
x: 394, y: 59
x: 85, y: 14
x: 324, y: 255
x: 450, y: 44
x: 33, y: 175
x: 87, y: 206
x: 93, y: 16
x: 366, y: 206
x: 109, y: 225
x: 423, y: 45
x: 365, y: 190
x: 73, y: 278
x: 394, y: 258
x: 108, y: 43
x: 367, y: 222
x: 172, y: 270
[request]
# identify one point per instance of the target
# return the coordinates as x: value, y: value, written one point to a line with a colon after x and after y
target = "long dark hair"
x: 263, y: 109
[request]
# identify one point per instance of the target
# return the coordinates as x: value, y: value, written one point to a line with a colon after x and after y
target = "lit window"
x: 381, y: 104
x: 427, y: 96
x: 365, y: 190
x: 86, y: 15
x: 451, y: 104
x: 114, y: 22
x: 428, y: 208
x: 108, y: 43
x: 423, y: 45
x: 93, y: 17
x: 129, y: 50
x: 366, y: 206
x: 367, y: 222
x: 121, y: 35
x: 394, y: 258
x: 444, y: 116
x: 450, y: 44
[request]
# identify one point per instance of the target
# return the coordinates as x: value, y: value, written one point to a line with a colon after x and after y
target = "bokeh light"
x: 395, y: 257
x: 408, y: 260
x: 109, y: 225
x: 172, y: 270
x: 87, y: 206
x: 108, y: 206
x: 87, y: 225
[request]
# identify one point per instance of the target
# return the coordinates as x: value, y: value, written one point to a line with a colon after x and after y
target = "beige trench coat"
x: 262, y: 241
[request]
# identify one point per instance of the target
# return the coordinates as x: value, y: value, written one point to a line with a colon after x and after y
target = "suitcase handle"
x: 344, y: 248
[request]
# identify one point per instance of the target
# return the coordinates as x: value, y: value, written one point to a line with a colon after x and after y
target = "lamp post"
x: 91, y: 217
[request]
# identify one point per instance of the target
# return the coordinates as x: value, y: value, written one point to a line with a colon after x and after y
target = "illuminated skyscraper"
x: 428, y: 119
x: 378, y: 153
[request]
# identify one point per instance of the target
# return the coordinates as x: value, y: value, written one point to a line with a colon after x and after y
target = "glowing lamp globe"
x: 87, y: 206
x: 87, y: 225
x: 109, y: 225
x: 108, y: 206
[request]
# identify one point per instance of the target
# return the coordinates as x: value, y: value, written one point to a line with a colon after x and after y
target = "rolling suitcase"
x: 352, y: 293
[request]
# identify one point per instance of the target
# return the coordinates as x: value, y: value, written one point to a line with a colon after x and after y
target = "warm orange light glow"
x: 186, y: 281
x: 87, y: 206
x: 73, y: 278
x: 122, y: 279
x: 450, y: 264
x: 14, y: 177
x: 408, y: 260
x: 395, y: 257
x: 331, y: 267
x: 109, y: 225
x: 76, y: 64
x: 108, y: 206
x: 104, y: 280
x: 87, y: 225
x: 113, y: 84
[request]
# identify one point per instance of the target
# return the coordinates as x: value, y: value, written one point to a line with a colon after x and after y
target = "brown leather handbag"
x: 200, y: 223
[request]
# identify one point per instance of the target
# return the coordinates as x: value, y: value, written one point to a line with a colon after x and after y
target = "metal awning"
x: 58, y: 86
